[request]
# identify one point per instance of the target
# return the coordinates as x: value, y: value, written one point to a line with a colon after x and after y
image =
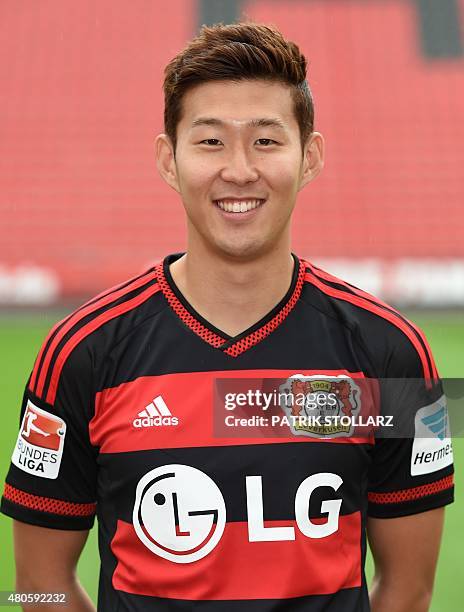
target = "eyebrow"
x: 262, y: 122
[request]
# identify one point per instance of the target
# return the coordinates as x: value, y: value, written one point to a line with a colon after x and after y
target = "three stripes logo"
x: 155, y: 414
x: 437, y: 422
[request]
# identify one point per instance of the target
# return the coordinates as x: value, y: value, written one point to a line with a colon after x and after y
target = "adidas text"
x: 155, y: 421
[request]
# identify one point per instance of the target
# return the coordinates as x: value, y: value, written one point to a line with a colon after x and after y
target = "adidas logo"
x: 155, y: 414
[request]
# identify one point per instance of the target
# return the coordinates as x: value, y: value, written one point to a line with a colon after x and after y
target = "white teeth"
x: 238, y: 207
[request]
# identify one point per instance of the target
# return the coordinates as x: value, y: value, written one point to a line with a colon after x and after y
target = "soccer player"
x: 119, y: 413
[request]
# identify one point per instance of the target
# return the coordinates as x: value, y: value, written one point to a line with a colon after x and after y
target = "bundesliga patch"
x: 431, y: 449
x: 39, y: 447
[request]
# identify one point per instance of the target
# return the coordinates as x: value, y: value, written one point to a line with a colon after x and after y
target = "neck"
x: 233, y: 295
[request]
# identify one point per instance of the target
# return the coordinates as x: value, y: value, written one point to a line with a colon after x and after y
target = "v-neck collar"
x: 231, y: 345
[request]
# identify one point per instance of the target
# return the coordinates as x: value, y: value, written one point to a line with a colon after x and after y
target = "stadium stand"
x: 82, y: 206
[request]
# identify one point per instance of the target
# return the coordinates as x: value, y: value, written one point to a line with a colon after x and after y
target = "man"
x: 190, y: 518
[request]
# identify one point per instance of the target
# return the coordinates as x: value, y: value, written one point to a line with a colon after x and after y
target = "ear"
x: 165, y: 160
x: 313, y: 159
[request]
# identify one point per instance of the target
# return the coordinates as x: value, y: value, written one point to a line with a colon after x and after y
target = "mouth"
x: 239, y: 205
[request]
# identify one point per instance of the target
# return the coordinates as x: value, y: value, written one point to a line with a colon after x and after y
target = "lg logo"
x: 257, y: 532
x: 180, y: 514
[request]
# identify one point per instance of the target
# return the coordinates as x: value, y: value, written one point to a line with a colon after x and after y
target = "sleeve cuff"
x: 409, y: 507
x: 44, y: 518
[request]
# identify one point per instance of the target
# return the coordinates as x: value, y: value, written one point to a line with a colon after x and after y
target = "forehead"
x: 238, y: 102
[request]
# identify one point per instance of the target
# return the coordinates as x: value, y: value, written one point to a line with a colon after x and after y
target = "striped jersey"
x: 137, y: 411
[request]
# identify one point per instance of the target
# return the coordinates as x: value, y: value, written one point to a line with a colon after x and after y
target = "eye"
x: 212, y: 142
x: 265, y: 142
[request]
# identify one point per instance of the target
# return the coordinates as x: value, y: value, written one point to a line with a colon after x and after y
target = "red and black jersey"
x: 118, y: 421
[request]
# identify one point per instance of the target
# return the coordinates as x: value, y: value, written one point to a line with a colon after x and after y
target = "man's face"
x: 239, y: 165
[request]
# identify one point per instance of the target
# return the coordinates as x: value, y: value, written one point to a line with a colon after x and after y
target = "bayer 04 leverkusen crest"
x: 320, y: 405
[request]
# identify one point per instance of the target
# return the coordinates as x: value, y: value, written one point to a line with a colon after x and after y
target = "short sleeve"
x: 412, y: 465
x: 52, y: 477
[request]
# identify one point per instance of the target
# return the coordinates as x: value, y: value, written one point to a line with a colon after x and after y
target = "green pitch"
x: 20, y: 339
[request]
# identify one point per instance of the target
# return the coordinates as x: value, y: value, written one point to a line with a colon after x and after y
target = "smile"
x: 238, y: 206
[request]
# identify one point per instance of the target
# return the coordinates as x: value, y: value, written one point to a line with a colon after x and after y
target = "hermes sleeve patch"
x: 431, y: 449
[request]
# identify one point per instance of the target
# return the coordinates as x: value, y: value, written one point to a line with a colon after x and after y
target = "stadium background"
x: 82, y: 206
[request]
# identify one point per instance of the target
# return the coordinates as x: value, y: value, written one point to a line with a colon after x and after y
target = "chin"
x: 243, y: 251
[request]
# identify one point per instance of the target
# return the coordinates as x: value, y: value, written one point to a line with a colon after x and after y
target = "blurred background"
x: 82, y: 206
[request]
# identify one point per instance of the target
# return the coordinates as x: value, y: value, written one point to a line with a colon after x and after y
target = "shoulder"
x: 82, y: 339
x: 398, y: 347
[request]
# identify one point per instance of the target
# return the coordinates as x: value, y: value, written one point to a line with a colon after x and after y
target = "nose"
x: 239, y: 168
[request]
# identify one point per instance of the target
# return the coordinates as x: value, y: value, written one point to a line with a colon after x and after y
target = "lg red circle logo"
x: 179, y: 513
